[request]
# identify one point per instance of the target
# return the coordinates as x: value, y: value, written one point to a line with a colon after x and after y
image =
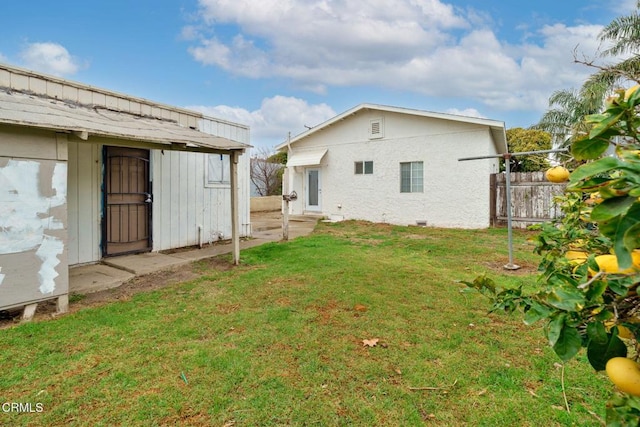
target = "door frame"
x: 104, y: 220
x: 307, y: 206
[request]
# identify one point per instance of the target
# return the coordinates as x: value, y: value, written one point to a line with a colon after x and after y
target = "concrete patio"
x: 113, y: 272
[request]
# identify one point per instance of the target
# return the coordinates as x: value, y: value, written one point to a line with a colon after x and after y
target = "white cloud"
x: 624, y: 7
x: 50, y: 58
x: 277, y: 116
x: 468, y: 112
x: 423, y: 46
x: 304, y: 40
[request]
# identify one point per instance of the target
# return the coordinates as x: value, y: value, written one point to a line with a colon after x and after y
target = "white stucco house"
x: 396, y: 165
x: 87, y: 173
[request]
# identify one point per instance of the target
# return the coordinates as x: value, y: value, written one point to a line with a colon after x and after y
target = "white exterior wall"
x: 183, y: 204
x: 84, y: 202
x: 182, y: 200
x: 456, y: 194
x: 186, y: 210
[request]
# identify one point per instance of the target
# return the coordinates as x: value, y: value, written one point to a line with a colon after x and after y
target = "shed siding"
x: 182, y: 200
x: 85, y: 170
x: 33, y: 218
x: 186, y: 211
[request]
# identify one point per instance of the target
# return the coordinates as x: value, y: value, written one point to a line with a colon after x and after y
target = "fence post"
x: 493, y: 199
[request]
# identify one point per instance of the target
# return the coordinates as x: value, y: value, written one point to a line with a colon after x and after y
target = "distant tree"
x: 521, y: 140
x: 266, y: 173
x: 279, y: 157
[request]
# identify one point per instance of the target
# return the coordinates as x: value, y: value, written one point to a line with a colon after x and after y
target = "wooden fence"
x: 532, y: 199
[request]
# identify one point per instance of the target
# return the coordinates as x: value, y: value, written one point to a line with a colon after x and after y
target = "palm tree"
x: 624, y: 35
x: 624, y: 32
x: 567, y: 108
x: 564, y: 117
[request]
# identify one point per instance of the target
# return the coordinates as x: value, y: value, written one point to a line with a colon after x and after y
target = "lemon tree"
x: 590, y: 267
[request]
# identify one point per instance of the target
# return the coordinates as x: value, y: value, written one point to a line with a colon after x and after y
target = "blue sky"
x: 281, y: 65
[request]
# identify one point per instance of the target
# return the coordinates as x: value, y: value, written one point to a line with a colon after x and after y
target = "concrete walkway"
x: 113, y: 272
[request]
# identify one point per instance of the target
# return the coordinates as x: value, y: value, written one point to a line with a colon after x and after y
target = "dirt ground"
x: 144, y: 283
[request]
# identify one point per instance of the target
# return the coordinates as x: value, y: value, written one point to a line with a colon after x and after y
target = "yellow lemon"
x: 576, y: 257
x: 557, y: 174
x: 609, y: 263
x: 625, y: 374
x: 624, y: 332
x: 630, y: 91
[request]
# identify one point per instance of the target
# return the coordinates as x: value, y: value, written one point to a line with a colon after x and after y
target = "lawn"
x: 279, y: 340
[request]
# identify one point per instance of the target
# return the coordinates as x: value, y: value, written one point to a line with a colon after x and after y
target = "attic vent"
x: 376, y: 129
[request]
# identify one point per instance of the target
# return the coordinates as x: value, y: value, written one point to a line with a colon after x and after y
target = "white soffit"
x: 306, y: 158
x: 29, y: 110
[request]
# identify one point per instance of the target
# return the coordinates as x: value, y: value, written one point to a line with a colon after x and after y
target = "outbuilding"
x: 87, y: 173
x: 395, y: 165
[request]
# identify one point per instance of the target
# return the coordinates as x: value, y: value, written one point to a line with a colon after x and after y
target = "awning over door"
x: 306, y: 158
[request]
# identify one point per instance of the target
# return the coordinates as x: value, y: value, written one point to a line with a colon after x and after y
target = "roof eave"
x: 497, y: 127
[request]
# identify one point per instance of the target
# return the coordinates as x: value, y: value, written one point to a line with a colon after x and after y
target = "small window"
x: 376, y: 129
x: 411, y: 177
x: 364, y: 168
x: 218, y: 169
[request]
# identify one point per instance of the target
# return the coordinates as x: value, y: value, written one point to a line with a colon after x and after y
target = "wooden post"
x: 63, y: 304
x: 285, y: 210
x: 493, y: 200
x: 235, y: 229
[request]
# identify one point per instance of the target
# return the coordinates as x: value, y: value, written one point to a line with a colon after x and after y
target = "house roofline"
x: 497, y: 127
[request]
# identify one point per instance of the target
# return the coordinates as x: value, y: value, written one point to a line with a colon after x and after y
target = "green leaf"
x: 597, y: 332
x: 617, y: 228
x: 590, y: 185
x: 606, y: 122
x: 634, y: 98
x: 554, y: 328
x: 568, y: 344
x: 596, y: 289
x: 620, y: 285
x: 566, y: 298
x: 600, y: 351
x: 485, y: 285
x: 623, y: 410
x: 535, y: 312
x: 594, y: 118
x: 588, y: 149
x: 602, y: 165
x: 611, y: 208
x: 631, y: 237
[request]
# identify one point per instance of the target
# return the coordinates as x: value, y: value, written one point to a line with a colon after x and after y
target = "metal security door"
x: 127, y: 201
x: 314, y: 190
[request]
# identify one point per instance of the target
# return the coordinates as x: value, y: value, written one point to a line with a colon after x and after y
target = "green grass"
x: 278, y: 341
